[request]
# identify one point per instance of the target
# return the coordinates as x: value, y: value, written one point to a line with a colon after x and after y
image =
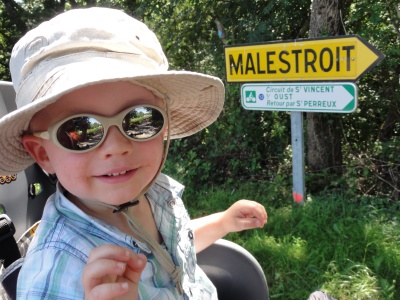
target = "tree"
x: 323, y: 130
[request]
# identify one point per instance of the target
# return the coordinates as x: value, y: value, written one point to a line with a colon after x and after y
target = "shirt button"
x: 171, y: 203
x: 190, y: 235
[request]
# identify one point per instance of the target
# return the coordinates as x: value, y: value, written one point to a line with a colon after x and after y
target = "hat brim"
x: 195, y: 100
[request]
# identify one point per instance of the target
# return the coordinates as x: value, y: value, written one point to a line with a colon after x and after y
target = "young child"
x: 97, y: 107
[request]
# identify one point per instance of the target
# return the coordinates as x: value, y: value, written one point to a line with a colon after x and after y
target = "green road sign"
x: 339, y: 97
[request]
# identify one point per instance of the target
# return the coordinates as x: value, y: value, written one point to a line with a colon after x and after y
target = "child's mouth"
x: 117, y: 174
x: 117, y: 177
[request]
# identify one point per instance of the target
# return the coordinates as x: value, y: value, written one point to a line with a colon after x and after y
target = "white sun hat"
x: 83, y: 47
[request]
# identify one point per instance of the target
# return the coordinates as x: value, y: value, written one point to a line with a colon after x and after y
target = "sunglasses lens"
x: 80, y: 133
x: 143, y: 123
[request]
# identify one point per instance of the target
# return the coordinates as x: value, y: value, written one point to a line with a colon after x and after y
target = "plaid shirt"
x: 53, y: 266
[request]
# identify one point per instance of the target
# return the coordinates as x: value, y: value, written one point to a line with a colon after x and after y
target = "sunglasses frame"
x: 106, y: 122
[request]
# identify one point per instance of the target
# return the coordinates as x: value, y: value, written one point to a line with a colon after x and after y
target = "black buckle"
x: 7, y: 228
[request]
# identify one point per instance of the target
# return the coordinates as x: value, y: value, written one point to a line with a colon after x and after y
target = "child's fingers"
x: 252, y: 209
x: 110, y: 251
x: 108, y: 262
x: 261, y: 214
x: 248, y: 215
x: 100, y: 271
x: 135, y: 266
x: 250, y: 223
x: 107, y: 291
x: 113, y: 252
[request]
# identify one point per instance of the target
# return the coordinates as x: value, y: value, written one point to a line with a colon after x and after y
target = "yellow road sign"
x: 332, y: 58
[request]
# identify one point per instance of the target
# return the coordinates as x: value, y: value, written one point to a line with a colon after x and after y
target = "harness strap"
x: 9, y: 251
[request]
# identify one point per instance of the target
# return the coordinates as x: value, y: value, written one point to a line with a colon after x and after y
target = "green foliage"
x: 249, y: 145
x: 347, y: 246
x: 371, y: 134
x: 241, y: 145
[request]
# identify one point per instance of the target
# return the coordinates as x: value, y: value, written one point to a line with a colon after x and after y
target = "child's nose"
x: 115, y: 143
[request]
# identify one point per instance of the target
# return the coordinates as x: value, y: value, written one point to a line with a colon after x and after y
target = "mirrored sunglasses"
x: 84, y: 132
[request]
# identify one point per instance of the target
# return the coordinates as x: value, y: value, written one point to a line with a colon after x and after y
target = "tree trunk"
x: 324, y: 19
x: 324, y: 130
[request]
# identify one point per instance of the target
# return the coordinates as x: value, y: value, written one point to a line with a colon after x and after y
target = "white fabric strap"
x: 160, y: 254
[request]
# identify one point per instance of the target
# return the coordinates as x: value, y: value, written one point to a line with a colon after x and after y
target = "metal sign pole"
x: 297, y: 156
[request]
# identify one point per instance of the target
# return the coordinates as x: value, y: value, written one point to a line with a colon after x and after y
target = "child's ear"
x: 34, y: 146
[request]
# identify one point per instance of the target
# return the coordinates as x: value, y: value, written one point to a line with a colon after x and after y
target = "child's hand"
x: 112, y: 272
x: 244, y: 214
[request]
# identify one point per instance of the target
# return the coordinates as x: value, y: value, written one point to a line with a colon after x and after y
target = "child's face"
x: 86, y: 175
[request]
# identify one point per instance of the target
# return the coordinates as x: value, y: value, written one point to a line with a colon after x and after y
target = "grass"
x: 349, y: 248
